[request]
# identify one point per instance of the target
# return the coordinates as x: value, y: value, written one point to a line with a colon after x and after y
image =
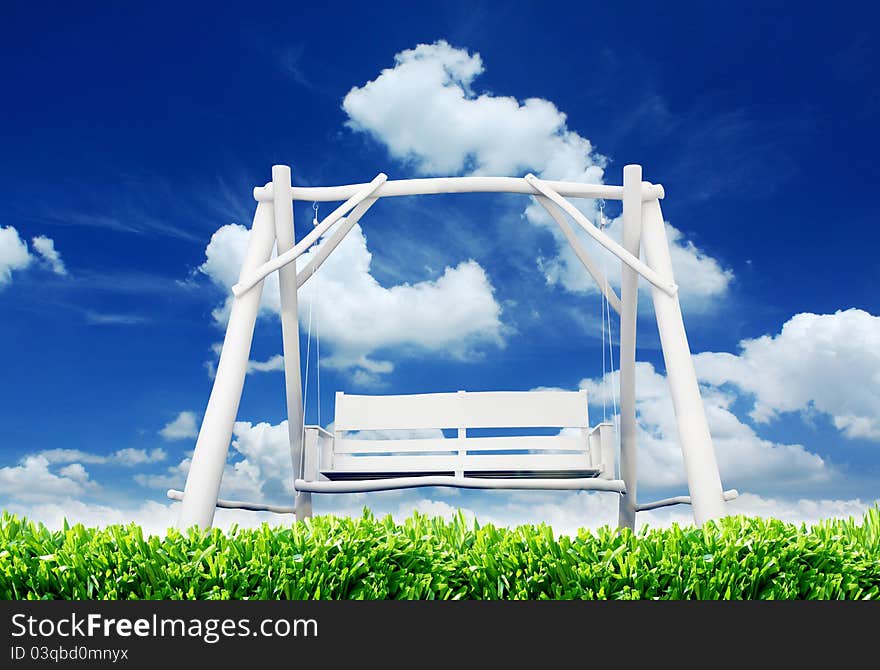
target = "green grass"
x: 329, y: 557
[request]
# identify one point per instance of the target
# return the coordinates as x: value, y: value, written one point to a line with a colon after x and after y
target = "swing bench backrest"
x: 573, y: 452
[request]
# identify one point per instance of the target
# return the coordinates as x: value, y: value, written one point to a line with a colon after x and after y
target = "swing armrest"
x: 601, y: 449
x: 322, y: 431
x: 317, y: 452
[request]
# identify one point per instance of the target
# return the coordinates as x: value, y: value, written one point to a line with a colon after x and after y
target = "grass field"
x: 422, y: 558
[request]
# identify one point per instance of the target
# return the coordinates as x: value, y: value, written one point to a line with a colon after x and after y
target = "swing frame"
x: 643, y: 230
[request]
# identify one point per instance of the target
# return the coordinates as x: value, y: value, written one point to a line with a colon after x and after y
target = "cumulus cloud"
x: 800, y: 510
x: 744, y: 459
x: 425, y: 112
x: 153, y: 517
x: 76, y: 472
x: 173, y: 477
x: 14, y: 254
x: 259, y: 469
x: 454, y: 314
x: 266, y: 468
x: 33, y: 481
x: 828, y: 363
x: 45, y: 246
x: 700, y: 276
x: 181, y: 428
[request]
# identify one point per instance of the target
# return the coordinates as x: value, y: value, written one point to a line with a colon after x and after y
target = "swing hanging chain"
x: 305, y: 396
x: 603, y: 224
x: 315, y: 299
x: 601, y: 204
x: 614, y: 391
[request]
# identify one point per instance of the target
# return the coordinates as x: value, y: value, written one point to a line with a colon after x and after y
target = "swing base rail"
x: 730, y: 494
x: 521, y: 483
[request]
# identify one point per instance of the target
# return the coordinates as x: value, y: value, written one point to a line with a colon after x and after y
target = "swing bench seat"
x: 576, y: 457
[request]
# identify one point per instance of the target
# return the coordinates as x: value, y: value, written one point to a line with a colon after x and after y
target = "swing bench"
x: 577, y: 458
x: 490, y: 439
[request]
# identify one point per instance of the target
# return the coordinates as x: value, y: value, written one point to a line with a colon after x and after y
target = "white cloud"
x: 32, y: 481
x: 744, y: 459
x: 103, y: 319
x: 454, y: 314
x: 425, y: 112
x: 266, y: 468
x: 181, y: 428
x: 126, y: 457
x: 154, y: 517
x: 13, y: 254
x: 173, y: 478
x: 45, y: 246
x: 699, y: 274
x: 801, y: 510
x: 76, y: 472
x: 138, y: 456
x: 260, y: 468
x: 272, y: 364
x: 701, y: 277
x: 71, y: 456
x: 791, y: 510
x: 827, y: 363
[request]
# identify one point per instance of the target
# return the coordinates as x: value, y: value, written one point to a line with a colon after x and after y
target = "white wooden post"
x: 629, y: 296
x: 462, y: 435
x: 284, y: 235
x: 701, y: 466
x: 215, y: 434
x: 311, y: 459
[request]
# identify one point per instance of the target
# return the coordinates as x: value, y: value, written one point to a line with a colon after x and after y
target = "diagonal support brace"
x: 245, y: 285
x: 668, y: 287
x: 580, y: 252
x: 338, y: 235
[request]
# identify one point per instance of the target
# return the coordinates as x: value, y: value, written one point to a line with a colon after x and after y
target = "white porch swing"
x: 338, y: 462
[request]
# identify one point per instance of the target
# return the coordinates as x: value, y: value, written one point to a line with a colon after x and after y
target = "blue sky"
x: 131, y: 140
